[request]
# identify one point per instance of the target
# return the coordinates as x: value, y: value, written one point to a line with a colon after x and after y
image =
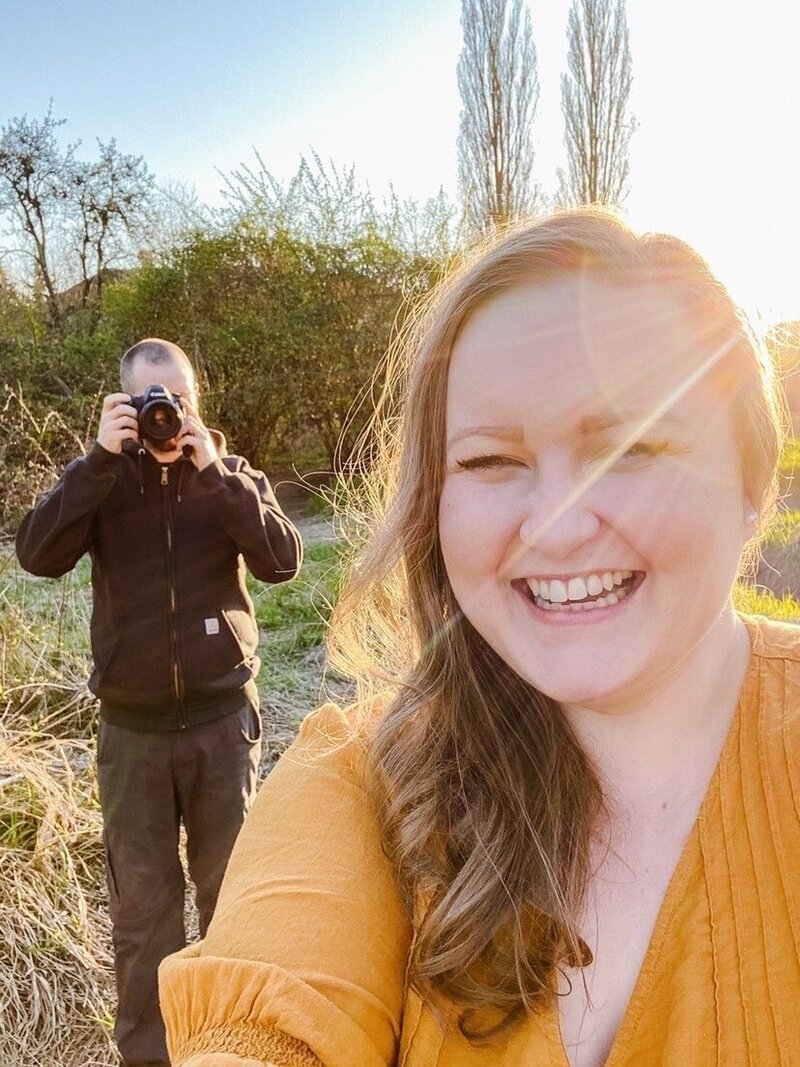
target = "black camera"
x: 160, y: 413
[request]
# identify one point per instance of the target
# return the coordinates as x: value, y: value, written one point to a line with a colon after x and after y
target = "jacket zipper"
x: 177, y: 680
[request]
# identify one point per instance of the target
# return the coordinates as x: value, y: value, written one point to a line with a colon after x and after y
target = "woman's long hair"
x: 486, y: 800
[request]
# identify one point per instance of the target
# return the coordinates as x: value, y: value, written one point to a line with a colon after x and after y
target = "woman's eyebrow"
x: 601, y: 422
x: 512, y: 434
x: 590, y: 424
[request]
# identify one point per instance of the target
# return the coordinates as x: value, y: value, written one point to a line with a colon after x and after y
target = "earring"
x: 751, y: 518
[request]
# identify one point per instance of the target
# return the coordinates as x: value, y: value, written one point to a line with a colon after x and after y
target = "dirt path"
x: 314, y: 529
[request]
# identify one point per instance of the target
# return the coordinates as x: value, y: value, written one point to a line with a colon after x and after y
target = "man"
x: 169, y: 525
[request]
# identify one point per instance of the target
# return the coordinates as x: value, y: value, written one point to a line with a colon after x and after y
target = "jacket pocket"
x: 243, y: 629
x: 103, y: 649
x: 132, y: 663
x: 216, y: 651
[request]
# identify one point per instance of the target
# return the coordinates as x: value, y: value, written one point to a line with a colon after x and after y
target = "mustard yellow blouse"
x: 304, y: 963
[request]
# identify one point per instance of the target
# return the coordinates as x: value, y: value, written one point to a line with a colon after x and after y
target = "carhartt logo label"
x: 212, y: 626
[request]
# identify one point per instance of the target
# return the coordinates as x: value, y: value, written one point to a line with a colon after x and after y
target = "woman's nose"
x: 559, y: 518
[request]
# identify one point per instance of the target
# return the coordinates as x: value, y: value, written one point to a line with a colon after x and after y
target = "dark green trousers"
x: 204, y: 776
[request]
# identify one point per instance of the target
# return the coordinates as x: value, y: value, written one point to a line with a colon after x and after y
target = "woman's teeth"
x: 601, y: 589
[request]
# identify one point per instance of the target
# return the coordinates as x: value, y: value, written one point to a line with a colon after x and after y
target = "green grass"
x: 19, y: 817
x: 783, y: 529
x: 293, y: 617
x: 790, y: 457
x: 45, y: 656
x: 755, y: 600
x: 56, y: 609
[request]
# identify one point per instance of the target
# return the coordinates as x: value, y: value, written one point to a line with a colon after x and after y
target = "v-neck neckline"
x: 689, y: 856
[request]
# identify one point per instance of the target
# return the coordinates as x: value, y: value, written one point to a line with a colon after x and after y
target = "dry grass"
x: 55, y: 976
x: 55, y: 966
x: 779, y: 566
x: 759, y: 600
x: 35, y: 445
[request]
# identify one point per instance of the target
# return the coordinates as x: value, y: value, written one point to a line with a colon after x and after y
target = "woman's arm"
x: 304, y: 962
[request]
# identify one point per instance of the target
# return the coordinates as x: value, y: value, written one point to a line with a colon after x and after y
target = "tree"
x: 318, y: 204
x: 594, y: 100
x: 353, y: 297
x: 109, y: 198
x: 175, y: 217
x: 284, y: 332
x: 326, y: 205
x: 73, y: 213
x: 33, y: 190
x: 499, y: 86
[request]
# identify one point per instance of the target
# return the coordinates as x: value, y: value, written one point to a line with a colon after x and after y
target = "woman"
x: 565, y: 830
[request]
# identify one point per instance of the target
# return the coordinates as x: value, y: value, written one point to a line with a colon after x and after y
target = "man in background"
x: 171, y: 522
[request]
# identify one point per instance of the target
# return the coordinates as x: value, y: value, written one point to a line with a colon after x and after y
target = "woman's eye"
x: 479, y: 463
x: 645, y: 448
x: 613, y: 454
x: 639, y: 450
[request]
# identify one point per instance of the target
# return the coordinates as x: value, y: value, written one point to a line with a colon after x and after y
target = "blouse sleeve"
x: 304, y: 962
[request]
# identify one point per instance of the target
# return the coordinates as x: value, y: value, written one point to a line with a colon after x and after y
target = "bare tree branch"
x: 109, y: 198
x: 325, y: 204
x: 33, y: 190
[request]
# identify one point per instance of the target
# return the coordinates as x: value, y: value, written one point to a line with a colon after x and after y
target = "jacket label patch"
x: 212, y: 626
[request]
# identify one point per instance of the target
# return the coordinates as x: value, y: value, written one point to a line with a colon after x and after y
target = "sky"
x: 195, y: 87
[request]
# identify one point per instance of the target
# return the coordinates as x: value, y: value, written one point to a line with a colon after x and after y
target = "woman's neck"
x: 669, y: 736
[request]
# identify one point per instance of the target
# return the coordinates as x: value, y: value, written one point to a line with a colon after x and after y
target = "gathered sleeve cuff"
x: 225, y: 1013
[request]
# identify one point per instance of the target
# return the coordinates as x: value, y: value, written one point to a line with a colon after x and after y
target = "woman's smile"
x: 580, y: 593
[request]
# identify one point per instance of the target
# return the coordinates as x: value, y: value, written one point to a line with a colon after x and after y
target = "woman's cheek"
x: 476, y: 521
x: 649, y: 512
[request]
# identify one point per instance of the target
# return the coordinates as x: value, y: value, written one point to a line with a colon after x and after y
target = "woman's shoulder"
x: 333, y: 725
x: 772, y: 639
x: 771, y: 695
x: 332, y: 738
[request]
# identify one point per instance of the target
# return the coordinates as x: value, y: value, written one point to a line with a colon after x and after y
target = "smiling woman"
x: 560, y: 827
x: 616, y: 468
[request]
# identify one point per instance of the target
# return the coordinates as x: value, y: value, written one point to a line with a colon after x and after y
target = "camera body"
x: 160, y: 413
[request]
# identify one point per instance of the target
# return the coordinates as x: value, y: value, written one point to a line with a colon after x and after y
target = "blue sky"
x: 195, y: 86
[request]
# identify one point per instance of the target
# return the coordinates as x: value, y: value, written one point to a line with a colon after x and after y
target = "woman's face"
x: 592, y: 514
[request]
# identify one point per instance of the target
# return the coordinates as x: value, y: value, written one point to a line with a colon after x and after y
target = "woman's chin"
x: 595, y: 689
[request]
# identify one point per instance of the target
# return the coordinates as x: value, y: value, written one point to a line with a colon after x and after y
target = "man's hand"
x: 118, y: 422
x: 195, y: 436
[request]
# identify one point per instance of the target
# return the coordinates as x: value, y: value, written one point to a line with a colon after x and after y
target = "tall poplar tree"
x: 499, y: 87
x: 594, y: 99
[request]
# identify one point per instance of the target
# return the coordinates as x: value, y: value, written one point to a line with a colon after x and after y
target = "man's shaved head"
x: 155, y: 352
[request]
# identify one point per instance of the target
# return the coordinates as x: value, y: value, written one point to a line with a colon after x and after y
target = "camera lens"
x: 160, y: 420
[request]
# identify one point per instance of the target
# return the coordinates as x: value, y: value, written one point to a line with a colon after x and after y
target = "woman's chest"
x: 580, y: 1028
x: 632, y: 873
x: 624, y: 900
